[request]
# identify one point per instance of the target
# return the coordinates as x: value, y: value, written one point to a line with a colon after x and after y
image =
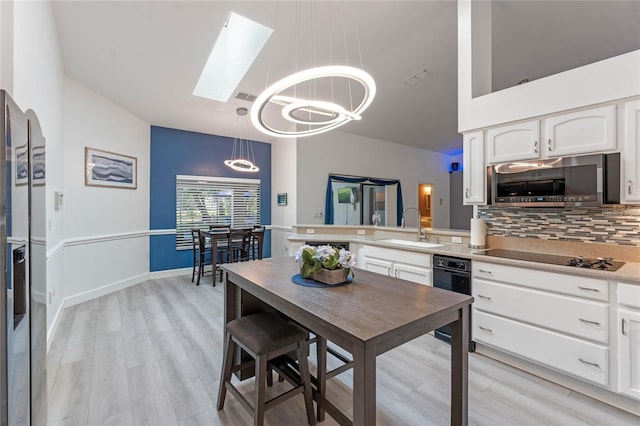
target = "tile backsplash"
x: 610, y: 225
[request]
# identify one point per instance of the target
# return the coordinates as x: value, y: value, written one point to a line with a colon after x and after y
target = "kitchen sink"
x: 422, y: 244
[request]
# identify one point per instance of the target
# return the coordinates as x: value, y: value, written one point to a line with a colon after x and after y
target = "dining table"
x: 367, y: 317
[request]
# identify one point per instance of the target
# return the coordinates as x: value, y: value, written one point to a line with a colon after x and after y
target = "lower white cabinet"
x: 586, y: 360
x: 629, y: 340
x: 405, y: 265
x: 557, y: 320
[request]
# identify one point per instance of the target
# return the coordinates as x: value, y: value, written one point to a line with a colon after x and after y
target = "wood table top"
x: 371, y: 308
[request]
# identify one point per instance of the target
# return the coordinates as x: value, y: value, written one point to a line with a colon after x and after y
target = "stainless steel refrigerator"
x: 23, y: 377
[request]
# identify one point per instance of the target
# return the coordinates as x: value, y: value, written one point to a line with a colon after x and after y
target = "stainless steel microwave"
x: 588, y: 180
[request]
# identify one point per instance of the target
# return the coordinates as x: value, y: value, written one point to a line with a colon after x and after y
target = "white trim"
x: 55, y: 250
x: 39, y: 241
x: 104, y: 238
x: 216, y: 179
x: 169, y: 273
x: 54, y: 325
x: 280, y: 228
x: 162, y: 231
x: 104, y: 290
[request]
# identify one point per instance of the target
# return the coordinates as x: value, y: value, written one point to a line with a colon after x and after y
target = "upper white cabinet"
x: 588, y: 131
x: 514, y: 142
x: 581, y: 132
x: 474, y: 172
x: 631, y: 154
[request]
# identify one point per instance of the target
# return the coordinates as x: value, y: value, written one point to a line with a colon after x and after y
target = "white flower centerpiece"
x: 326, y: 264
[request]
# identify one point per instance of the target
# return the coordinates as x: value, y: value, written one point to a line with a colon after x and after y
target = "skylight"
x: 238, y: 45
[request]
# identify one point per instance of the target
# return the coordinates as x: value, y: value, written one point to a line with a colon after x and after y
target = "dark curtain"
x: 328, y: 206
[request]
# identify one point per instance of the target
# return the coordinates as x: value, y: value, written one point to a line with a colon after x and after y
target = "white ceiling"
x: 147, y: 57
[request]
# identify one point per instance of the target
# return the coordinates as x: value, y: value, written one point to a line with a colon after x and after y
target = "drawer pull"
x: 395, y: 273
x: 484, y: 297
x: 623, y: 333
x: 549, y: 145
x: 389, y: 271
x: 593, y: 364
x: 535, y: 147
x: 485, y: 329
x: 485, y: 271
x: 589, y: 322
x: 589, y: 289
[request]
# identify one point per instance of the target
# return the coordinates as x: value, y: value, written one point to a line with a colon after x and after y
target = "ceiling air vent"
x: 246, y: 97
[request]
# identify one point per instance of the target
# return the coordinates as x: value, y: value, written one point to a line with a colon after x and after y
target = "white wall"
x: 283, y: 180
x: 37, y: 84
x: 104, y: 228
x: 602, y: 81
x: 342, y: 153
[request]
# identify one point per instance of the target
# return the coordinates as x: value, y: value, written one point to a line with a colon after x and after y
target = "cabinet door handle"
x: 549, y: 145
x: 589, y: 322
x: 466, y: 193
x: 589, y: 289
x: 623, y: 333
x: 395, y: 273
x: 389, y: 271
x: 484, y: 297
x: 629, y: 187
x: 593, y: 364
x: 485, y: 272
x: 535, y: 147
x: 485, y: 329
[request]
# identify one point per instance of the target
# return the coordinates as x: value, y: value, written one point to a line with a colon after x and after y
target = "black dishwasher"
x: 454, y: 274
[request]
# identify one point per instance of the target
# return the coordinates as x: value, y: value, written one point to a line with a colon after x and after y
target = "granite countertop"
x: 629, y: 272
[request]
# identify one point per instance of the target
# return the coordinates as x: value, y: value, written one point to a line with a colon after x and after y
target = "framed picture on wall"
x: 104, y: 168
x: 282, y: 199
x: 38, y: 171
x: 21, y: 161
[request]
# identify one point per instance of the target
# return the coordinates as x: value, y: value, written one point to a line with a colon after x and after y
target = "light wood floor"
x: 151, y: 355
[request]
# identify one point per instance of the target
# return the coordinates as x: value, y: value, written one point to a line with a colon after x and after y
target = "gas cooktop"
x: 602, y: 263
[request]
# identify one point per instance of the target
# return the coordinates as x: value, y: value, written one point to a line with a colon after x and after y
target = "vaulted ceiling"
x: 146, y: 56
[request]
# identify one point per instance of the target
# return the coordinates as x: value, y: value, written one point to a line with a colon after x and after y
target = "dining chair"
x: 195, y: 244
x: 204, y: 256
x: 220, y: 241
x: 240, y: 244
x: 257, y: 240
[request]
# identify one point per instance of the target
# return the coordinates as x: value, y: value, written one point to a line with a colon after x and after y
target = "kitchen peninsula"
x: 570, y: 325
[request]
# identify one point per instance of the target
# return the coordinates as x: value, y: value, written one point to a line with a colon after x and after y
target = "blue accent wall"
x: 178, y: 152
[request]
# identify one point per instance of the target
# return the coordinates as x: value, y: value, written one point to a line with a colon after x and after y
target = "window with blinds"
x: 202, y: 201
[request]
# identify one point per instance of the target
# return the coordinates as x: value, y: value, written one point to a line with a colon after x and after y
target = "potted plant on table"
x: 326, y: 264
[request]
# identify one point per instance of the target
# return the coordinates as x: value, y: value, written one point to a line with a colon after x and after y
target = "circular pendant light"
x: 242, y: 157
x: 311, y: 116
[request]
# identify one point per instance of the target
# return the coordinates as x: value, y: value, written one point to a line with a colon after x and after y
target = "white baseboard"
x: 54, y: 325
x: 104, y: 290
x: 107, y: 289
x: 169, y: 273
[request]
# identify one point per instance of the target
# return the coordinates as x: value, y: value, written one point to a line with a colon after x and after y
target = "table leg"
x: 460, y: 369
x: 364, y: 385
x: 321, y: 357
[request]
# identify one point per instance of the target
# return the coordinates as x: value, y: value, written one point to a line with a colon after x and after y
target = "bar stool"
x: 266, y: 337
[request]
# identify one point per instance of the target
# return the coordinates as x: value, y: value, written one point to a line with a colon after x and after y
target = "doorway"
x: 425, y: 201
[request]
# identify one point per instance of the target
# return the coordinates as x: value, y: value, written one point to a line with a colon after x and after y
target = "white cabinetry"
x: 405, y: 265
x: 474, y: 172
x: 560, y: 321
x: 587, y: 131
x: 631, y: 154
x: 520, y: 141
x: 629, y: 340
x: 581, y: 132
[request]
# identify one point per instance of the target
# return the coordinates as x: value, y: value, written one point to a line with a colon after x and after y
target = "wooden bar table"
x: 368, y: 317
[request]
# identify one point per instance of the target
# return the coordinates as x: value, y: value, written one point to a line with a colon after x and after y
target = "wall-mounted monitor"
x: 347, y: 195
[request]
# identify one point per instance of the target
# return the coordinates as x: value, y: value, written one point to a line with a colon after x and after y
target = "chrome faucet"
x: 402, y: 222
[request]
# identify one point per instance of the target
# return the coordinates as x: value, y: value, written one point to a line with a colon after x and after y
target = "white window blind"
x: 202, y: 201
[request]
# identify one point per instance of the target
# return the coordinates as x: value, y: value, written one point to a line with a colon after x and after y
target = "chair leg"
x: 269, y: 377
x: 225, y: 374
x: 260, y: 396
x: 303, y: 365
